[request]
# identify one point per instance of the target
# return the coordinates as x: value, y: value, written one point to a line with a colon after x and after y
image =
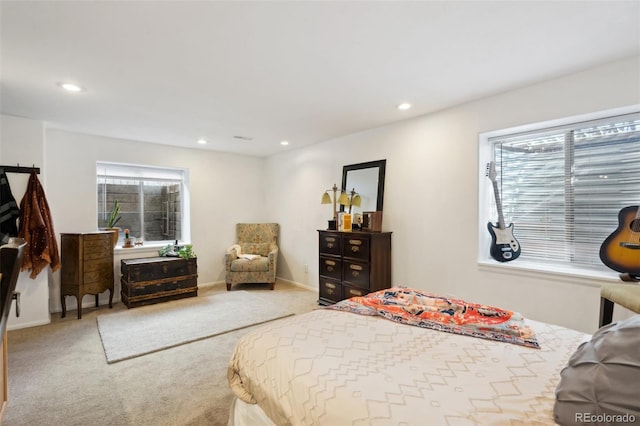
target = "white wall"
x: 431, y: 195
x: 22, y: 142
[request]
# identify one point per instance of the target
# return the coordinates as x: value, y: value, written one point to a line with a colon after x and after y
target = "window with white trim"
x: 153, y: 201
x: 562, y: 186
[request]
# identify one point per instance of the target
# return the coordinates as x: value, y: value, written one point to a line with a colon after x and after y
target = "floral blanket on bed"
x: 426, y: 310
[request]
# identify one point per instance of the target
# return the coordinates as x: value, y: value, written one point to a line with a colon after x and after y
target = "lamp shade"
x: 326, y: 198
x: 344, y: 199
x: 356, y: 200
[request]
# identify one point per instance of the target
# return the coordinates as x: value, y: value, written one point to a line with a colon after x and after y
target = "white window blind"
x: 563, y: 187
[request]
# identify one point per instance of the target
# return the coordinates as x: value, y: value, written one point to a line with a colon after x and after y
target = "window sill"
x: 144, y: 249
x: 574, y: 275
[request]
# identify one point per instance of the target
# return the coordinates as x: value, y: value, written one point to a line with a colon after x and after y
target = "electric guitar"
x: 504, y: 246
x: 621, y: 250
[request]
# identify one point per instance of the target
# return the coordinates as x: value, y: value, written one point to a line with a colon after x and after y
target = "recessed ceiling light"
x: 243, y: 138
x: 404, y: 106
x: 202, y: 141
x: 71, y: 87
x: 284, y: 143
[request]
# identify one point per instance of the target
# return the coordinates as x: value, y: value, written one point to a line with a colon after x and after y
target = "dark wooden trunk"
x: 157, y: 279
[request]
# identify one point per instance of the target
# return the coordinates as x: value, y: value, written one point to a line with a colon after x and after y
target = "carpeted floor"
x: 58, y: 373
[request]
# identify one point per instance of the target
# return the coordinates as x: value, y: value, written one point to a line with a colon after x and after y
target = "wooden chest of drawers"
x: 157, y: 279
x: 353, y: 264
x: 87, y: 267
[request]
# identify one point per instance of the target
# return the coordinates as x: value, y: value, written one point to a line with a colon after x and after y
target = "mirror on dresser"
x: 367, y: 179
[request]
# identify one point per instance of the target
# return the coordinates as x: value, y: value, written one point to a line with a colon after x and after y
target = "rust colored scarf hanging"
x: 37, y: 228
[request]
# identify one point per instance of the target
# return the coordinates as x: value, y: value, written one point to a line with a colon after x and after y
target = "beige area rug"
x: 139, y: 331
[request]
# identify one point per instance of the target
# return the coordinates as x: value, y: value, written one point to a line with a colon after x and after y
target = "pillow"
x: 256, y: 248
x: 600, y: 383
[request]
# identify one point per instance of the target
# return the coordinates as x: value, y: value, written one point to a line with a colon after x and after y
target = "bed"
x: 344, y: 366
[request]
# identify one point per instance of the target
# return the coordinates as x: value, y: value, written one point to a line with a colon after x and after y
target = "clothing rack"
x: 20, y: 169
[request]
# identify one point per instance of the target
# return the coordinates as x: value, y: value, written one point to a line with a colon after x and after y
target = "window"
x: 563, y: 186
x: 153, y: 200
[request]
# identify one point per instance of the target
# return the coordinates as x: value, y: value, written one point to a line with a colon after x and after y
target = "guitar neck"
x: 498, y: 205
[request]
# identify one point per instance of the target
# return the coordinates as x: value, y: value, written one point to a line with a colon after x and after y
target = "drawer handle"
x: 165, y: 269
x: 355, y: 267
x: 329, y: 268
x: 330, y: 242
x: 355, y: 292
x: 355, y: 249
x: 329, y: 285
x: 355, y: 274
x: 355, y: 242
x: 329, y: 291
x: 330, y: 262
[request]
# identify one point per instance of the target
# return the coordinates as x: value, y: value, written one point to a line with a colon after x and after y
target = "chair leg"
x: 228, y: 286
x: 606, y: 311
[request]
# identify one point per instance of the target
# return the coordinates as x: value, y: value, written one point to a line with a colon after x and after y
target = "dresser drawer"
x: 356, y: 247
x: 330, y: 243
x: 356, y: 274
x: 103, y: 274
x: 94, y: 287
x: 330, y: 290
x: 102, y: 264
x: 95, y: 243
x: 331, y: 267
x: 349, y: 292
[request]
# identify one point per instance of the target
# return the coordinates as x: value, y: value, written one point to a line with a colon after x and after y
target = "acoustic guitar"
x: 621, y: 250
x: 504, y: 246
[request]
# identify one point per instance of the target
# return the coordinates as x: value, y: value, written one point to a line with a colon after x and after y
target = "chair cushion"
x: 256, y: 248
x: 260, y: 264
x: 601, y: 377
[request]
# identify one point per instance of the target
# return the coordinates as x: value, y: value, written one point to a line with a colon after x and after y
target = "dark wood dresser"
x: 87, y: 267
x: 157, y: 279
x: 353, y: 264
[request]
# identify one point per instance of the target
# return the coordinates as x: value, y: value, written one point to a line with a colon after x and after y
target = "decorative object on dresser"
x: 254, y: 258
x: 87, y: 267
x: 372, y: 221
x: 353, y: 264
x: 343, y: 199
x: 369, y: 179
x: 111, y: 221
x: 157, y: 279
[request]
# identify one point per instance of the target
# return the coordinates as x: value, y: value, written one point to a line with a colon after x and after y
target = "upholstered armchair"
x: 253, y: 259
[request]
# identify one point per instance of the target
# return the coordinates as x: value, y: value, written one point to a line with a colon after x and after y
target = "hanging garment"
x: 9, y: 212
x: 37, y: 228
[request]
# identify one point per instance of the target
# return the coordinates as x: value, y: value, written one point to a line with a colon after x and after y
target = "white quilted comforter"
x: 337, y: 368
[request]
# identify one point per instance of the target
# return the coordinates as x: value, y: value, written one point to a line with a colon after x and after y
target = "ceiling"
x: 247, y: 75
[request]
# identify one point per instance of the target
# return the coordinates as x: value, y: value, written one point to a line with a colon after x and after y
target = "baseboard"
x: 297, y: 284
x: 28, y: 324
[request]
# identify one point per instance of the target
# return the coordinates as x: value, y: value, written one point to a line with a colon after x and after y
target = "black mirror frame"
x: 381, y: 165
